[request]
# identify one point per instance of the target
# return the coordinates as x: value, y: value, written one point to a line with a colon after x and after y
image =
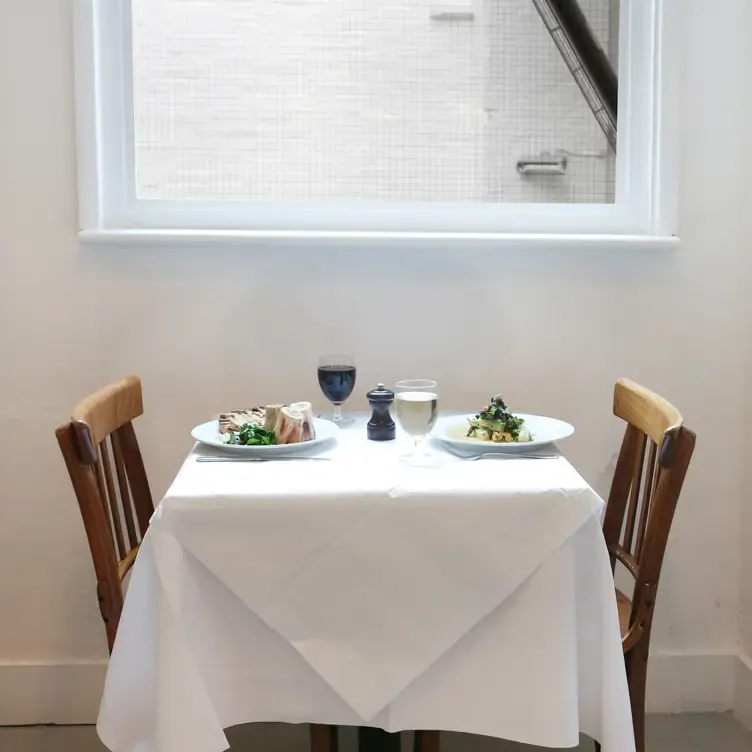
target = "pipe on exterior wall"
x: 546, y: 163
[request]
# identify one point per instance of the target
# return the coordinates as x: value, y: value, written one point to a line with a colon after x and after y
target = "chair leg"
x: 323, y: 738
x: 427, y: 741
x: 637, y: 674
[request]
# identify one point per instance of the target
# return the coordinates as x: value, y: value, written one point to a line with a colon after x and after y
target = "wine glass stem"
x: 337, y: 413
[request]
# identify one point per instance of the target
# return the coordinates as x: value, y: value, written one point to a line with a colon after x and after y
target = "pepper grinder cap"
x: 380, y: 394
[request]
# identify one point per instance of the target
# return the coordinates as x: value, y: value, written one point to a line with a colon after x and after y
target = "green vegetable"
x: 251, y: 434
x: 495, y: 417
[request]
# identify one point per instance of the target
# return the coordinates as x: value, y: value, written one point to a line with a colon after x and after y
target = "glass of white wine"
x: 416, y: 403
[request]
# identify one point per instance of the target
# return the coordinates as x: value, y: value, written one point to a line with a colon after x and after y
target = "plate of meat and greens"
x: 269, y: 431
x: 496, y: 428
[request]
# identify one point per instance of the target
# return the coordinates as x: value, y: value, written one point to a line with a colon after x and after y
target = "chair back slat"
x: 101, y: 493
x: 652, y: 471
x: 111, y: 499
x: 99, y: 436
x: 125, y: 497
x: 634, y: 495
x: 137, y: 480
x: 616, y: 506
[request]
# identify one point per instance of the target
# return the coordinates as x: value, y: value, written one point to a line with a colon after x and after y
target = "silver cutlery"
x: 503, y: 456
x: 260, y: 459
x: 509, y: 456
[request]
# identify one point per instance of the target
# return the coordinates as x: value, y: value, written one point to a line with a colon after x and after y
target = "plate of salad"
x: 270, y: 431
x: 495, y: 428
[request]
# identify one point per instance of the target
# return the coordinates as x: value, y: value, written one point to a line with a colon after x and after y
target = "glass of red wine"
x: 337, y: 381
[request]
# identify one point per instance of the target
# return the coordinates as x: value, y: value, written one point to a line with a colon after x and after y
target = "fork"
x: 503, y: 456
x: 259, y: 459
x: 509, y: 456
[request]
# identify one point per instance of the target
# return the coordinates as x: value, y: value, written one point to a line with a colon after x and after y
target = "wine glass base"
x: 345, y: 420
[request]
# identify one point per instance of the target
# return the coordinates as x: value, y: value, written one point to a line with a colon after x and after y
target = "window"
x: 475, y: 117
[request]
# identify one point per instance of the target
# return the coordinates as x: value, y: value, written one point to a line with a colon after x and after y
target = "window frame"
x: 646, y: 164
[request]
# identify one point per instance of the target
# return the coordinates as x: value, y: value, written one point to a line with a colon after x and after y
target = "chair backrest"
x: 650, y: 472
x: 107, y: 472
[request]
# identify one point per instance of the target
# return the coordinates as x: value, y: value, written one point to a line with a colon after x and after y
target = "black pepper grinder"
x: 381, y: 426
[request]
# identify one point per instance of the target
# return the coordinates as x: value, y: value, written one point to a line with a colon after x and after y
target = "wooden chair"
x: 648, y: 479
x: 104, y: 462
x: 116, y: 506
x: 649, y: 475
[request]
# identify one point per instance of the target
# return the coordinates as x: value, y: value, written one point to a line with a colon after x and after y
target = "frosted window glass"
x: 360, y: 99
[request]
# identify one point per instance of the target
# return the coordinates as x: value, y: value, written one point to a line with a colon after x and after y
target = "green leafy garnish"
x: 251, y: 434
x: 496, y: 420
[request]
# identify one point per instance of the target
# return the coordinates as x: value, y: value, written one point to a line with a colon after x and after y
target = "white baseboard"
x: 743, y: 690
x: 69, y: 693
x: 65, y: 693
x: 690, y: 682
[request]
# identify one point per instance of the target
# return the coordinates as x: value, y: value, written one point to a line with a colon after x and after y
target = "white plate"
x: 208, y: 433
x: 452, y: 430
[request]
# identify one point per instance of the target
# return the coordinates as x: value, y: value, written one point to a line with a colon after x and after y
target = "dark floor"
x: 666, y: 733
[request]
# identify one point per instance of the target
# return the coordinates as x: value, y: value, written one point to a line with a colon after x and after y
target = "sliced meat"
x: 234, y: 420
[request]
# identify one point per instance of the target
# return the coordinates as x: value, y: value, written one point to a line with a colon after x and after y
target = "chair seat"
x: 624, y: 606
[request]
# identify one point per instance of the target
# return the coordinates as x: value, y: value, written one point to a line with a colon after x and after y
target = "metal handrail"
x: 585, y: 58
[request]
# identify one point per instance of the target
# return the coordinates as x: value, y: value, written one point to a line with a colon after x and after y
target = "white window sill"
x: 277, y: 238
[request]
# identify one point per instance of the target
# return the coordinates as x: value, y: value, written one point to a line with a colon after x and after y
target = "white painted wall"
x: 743, y: 675
x: 570, y: 323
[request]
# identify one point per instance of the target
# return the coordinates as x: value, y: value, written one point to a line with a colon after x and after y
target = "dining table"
x: 364, y: 589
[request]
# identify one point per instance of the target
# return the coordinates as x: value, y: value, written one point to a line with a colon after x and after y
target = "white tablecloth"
x: 470, y: 596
